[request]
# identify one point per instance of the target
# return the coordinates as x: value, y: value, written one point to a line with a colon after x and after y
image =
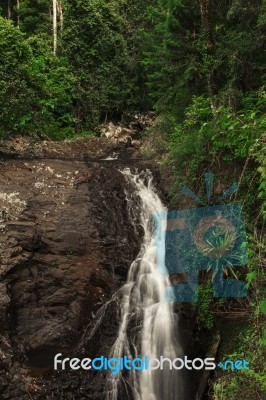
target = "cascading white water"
x: 148, y: 325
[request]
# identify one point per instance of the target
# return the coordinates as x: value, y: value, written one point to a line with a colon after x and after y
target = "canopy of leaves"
x: 36, y: 89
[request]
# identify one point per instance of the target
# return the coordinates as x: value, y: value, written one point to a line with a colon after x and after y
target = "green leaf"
x: 263, y: 306
x: 250, y: 278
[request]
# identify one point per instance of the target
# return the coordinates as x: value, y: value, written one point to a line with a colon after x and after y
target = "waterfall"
x: 148, y: 325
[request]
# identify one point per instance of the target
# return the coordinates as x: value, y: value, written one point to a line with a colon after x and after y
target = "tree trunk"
x: 8, y: 9
x: 205, y: 12
x: 60, y: 13
x: 212, y: 352
x: 18, y: 4
x: 55, y: 25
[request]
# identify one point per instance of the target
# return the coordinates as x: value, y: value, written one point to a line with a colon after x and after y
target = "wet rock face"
x: 52, y: 255
x: 66, y: 242
x: 116, y: 233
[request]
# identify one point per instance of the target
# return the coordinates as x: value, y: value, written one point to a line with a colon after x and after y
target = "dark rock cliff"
x: 66, y: 242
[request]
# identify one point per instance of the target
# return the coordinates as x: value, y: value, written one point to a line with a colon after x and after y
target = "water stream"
x: 148, y: 325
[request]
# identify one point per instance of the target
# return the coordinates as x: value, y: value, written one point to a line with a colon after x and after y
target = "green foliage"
x: 116, y: 57
x: 37, y: 90
x: 247, y: 341
x: 94, y: 41
x: 35, y: 17
x: 208, y: 132
x: 247, y: 383
x: 205, y: 318
x: 18, y: 99
x: 217, y: 54
x: 97, y: 72
x: 258, y: 151
x: 55, y: 84
x: 168, y: 59
x: 236, y: 132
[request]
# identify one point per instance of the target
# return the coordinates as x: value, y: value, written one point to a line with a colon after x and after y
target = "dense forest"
x: 200, y: 65
x: 68, y: 66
